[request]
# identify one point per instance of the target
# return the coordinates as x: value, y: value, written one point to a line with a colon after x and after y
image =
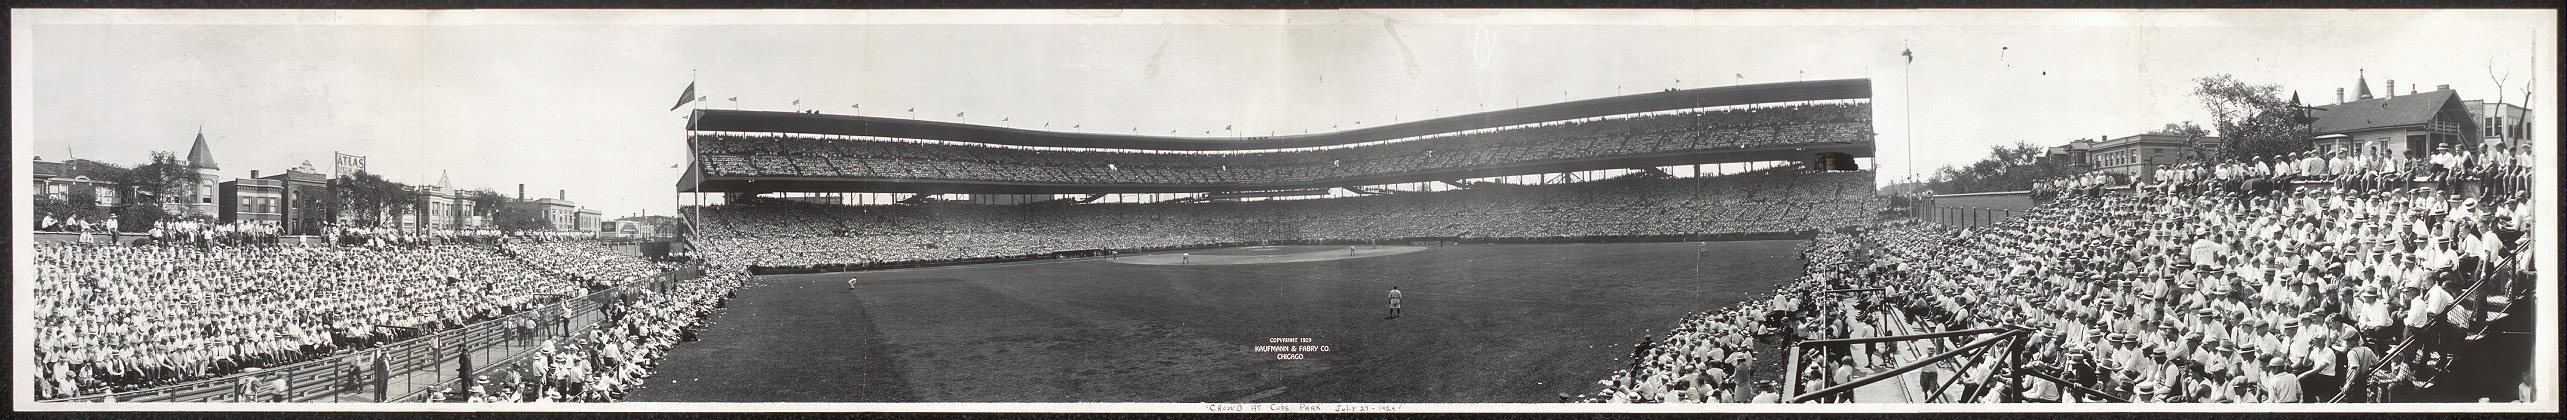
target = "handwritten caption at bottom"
x: 1304, y: 407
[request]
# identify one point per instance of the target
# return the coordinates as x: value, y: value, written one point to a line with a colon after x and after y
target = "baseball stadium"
x: 1709, y: 245
x: 1536, y: 242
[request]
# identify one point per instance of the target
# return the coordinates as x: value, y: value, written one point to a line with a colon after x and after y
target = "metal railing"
x: 2472, y: 296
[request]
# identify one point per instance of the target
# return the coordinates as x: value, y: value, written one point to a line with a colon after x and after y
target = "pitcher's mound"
x: 1265, y: 255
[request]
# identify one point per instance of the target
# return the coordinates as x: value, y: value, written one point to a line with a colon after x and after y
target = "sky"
x: 579, y: 100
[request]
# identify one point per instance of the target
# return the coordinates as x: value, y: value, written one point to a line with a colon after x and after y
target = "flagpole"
x: 694, y: 223
x: 1907, y: 95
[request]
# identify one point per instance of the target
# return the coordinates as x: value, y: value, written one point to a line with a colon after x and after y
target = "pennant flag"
x: 683, y: 98
x: 705, y: 98
x: 735, y: 99
x: 958, y: 114
x: 913, y: 109
x: 1225, y: 127
x: 1047, y: 123
x: 797, y: 102
x: 1909, y: 53
x: 1004, y: 119
x: 1740, y: 75
x: 1075, y: 125
x: 856, y: 106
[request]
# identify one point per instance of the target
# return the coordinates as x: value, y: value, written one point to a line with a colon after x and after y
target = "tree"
x: 2186, y: 129
x: 369, y: 195
x: 403, y: 199
x: 484, y: 201
x: 520, y: 218
x: 2253, y: 120
x: 140, y: 216
x: 161, y: 181
x: 2007, y: 168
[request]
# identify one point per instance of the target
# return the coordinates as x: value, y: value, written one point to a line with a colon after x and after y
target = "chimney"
x: 521, y: 192
x: 2439, y: 88
x: 253, y: 174
x: 2339, y: 96
x: 2393, y: 88
x: 565, y: 195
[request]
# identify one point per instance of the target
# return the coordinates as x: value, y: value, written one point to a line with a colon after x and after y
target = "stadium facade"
x: 739, y: 151
x: 1593, y: 170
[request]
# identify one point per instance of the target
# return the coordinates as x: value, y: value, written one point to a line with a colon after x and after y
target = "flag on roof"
x: 683, y: 98
x: 1909, y: 53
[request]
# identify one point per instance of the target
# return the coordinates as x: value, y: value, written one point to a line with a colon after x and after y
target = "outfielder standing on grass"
x: 851, y: 283
x: 1394, y: 303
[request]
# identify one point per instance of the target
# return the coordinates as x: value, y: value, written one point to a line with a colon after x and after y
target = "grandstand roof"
x: 857, y: 125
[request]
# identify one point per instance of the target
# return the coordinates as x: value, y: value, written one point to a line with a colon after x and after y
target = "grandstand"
x: 744, y: 153
x: 800, y: 235
x: 761, y: 152
x: 2363, y: 284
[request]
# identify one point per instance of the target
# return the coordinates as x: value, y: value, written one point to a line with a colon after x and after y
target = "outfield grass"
x: 1483, y: 323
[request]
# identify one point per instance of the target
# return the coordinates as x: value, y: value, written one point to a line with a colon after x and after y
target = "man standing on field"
x: 1394, y: 303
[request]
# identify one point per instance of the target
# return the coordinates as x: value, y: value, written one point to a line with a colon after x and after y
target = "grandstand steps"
x: 2489, y: 363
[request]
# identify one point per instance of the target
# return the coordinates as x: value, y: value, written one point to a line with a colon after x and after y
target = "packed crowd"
x: 1725, y: 355
x: 737, y: 155
x: 2352, y: 292
x: 609, y: 359
x: 802, y: 235
x: 2498, y: 167
x: 112, y: 318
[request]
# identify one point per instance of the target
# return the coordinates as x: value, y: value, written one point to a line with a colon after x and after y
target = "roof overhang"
x: 869, y: 126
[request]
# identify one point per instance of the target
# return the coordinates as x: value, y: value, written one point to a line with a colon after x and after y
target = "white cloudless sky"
x: 578, y: 100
